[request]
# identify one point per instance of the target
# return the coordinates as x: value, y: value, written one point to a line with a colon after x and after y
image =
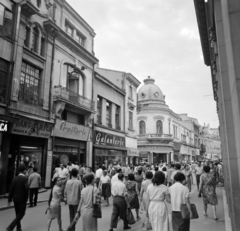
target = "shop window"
x: 130, y: 92
x: 6, y: 22
x: 99, y: 110
x: 3, y: 79
x: 68, y: 29
x: 130, y: 120
x: 35, y: 39
x: 29, y: 84
x: 80, y: 39
x: 108, y: 114
x: 42, y: 46
x: 117, y: 117
x: 142, y: 128
x: 27, y: 37
x: 159, y: 127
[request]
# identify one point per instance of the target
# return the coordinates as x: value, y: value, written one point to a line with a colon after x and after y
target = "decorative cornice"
x: 142, y: 118
x: 159, y: 117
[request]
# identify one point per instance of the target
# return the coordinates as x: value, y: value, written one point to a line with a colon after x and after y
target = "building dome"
x: 150, y: 91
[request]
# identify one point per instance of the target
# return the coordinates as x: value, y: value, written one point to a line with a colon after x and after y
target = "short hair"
x: 164, y: 169
x: 35, y: 169
x: 119, y: 170
x: 139, y: 171
x: 179, y: 177
x: 156, y: 169
x: 178, y: 166
x: 120, y: 176
x: 103, y: 168
x: 158, y: 178
x: 74, y: 172
x: 89, y: 178
x: 149, y: 175
x: 131, y: 177
x: 206, y: 168
x: 69, y: 163
x: 21, y: 168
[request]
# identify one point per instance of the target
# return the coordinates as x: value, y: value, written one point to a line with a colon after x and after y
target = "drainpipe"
x: 17, y: 13
x: 124, y: 102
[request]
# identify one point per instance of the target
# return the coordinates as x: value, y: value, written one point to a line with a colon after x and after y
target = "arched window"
x: 159, y: 127
x: 35, y: 39
x: 142, y: 127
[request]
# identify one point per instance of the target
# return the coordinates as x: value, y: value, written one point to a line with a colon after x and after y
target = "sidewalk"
x: 43, y: 196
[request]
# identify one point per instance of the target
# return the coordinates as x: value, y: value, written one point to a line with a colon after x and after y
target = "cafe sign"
x: 3, y: 126
x: 29, y: 127
x: 101, y: 138
x: 69, y: 130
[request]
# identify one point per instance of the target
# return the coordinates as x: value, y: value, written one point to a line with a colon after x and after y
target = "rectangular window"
x: 6, y: 22
x: 130, y: 92
x: 130, y: 120
x: 99, y: 110
x: 69, y: 29
x: 117, y: 117
x: 108, y: 114
x: 42, y: 46
x: 3, y: 79
x: 29, y: 84
x: 80, y: 39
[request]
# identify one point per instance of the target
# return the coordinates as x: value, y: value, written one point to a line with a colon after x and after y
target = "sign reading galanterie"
x: 107, y: 139
x: 29, y: 127
x: 72, y: 131
x: 3, y: 126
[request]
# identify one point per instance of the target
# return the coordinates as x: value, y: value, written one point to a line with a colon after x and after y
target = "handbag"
x: 146, y: 225
x: 97, y: 212
x: 186, y: 214
x: 130, y: 217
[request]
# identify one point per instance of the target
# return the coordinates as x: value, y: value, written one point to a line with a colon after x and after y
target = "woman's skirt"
x: 54, y: 211
x: 106, y: 190
x: 89, y: 222
x: 158, y: 215
x: 134, y: 202
x: 144, y: 201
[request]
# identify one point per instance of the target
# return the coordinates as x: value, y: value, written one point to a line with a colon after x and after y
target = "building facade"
x: 218, y: 23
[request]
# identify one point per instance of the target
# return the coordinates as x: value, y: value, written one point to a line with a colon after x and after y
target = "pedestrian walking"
x: 85, y: 208
x: 73, y: 193
x: 115, y: 177
x: 54, y: 204
x: 139, y: 178
x: 82, y: 171
x: 120, y: 205
x: 133, y: 194
x: 199, y: 172
x: 143, y: 193
x: 105, y: 186
x: 179, y: 195
x: 99, y: 174
x: 169, y: 174
x: 207, y: 188
x: 177, y: 167
x: 63, y: 174
x: 34, y: 182
x: 157, y: 211
x: 19, y: 194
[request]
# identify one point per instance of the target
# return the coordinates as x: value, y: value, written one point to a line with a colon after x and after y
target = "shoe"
x: 110, y: 229
x: 8, y: 229
x: 127, y: 227
x: 30, y: 206
x: 216, y: 219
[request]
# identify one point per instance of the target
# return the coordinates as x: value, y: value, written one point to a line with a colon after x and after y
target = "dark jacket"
x: 19, y: 189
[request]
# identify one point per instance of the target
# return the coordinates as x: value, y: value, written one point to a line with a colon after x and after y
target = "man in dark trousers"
x: 34, y: 182
x: 19, y: 194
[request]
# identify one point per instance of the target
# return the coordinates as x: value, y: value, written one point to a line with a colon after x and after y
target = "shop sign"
x: 133, y: 152
x: 107, y: 139
x: 29, y: 127
x: 3, y: 126
x: 69, y: 130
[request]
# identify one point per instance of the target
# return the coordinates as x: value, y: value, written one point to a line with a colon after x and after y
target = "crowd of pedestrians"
x: 144, y: 188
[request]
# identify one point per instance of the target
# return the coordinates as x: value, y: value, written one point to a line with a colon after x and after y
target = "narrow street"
x: 35, y: 218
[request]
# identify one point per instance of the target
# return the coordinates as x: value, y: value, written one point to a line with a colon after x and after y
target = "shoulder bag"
x: 186, y: 214
x: 97, y: 212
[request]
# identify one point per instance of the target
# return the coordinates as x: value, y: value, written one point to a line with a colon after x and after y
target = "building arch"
x: 159, y: 127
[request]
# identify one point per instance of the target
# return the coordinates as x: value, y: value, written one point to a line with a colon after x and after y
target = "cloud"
x: 191, y: 34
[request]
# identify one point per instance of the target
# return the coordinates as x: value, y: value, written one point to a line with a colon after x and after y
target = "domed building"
x: 158, y: 126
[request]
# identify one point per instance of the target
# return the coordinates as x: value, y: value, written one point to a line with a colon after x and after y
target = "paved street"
x: 35, y: 219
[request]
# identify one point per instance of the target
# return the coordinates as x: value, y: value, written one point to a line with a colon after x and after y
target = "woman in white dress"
x: 157, y: 192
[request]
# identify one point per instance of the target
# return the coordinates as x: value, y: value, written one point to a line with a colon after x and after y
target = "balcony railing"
x: 156, y: 136
x: 63, y: 93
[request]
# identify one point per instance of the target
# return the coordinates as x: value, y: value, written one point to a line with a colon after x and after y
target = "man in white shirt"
x: 179, y: 195
x: 115, y: 177
x: 99, y: 174
x: 120, y: 206
x: 63, y: 175
x: 199, y: 172
x: 177, y: 169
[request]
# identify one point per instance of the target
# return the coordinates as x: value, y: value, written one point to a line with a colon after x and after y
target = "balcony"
x: 168, y: 137
x: 51, y: 27
x: 65, y: 95
x: 28, y: 9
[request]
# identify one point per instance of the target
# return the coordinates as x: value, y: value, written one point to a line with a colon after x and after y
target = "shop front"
x: 108, y: 149
x: 69, y: 143
x: 27, y: 146
x: 133, y: 156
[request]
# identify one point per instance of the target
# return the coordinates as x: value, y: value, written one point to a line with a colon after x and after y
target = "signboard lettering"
x: 102, y: 138
x: 3, y: 127
x: 69, y: 130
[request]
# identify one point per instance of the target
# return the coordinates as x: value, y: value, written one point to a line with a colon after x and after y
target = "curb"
x: 12, y: 206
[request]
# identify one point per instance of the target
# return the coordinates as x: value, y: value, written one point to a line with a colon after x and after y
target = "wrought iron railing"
x: 167, y: 136
x: 73, y: 97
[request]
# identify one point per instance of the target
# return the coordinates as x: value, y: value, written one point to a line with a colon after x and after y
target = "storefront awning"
x: 8, y: 118
x: 132, y: 152
x: 109, y: 147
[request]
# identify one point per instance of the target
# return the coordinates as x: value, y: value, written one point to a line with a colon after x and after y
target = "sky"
x: 158, y: 39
